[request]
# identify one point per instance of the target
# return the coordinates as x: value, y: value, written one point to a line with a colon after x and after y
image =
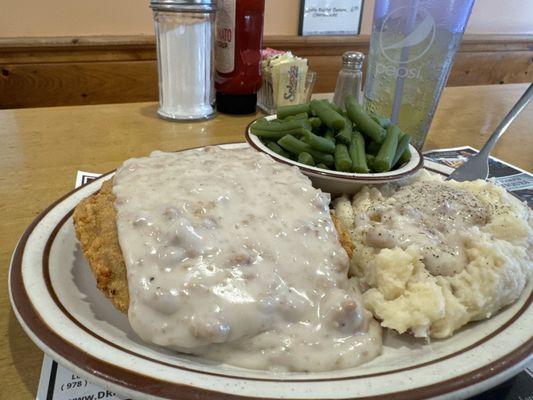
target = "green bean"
x: 331, y: 105
x: 319, y: 143
x: 343, y: 162
x: 285, y: 111
x: 329, y: 135
x: 307, y: 124
x: 266, y: 121
x: 296, y: 116
x: 387, y: 151
x: 306, y: 158
x: 344, y: 136
x: 280, y: 126
x: 278, y: 150
x: 363, y: 122
x: 293, y: 126
x: 382, y: 121
x: 320, y: 133
x: 327, y: 115
x: 334, y: 106
x: 304, y: 139
x: 373, y: 148
x: 295, y: 146
x: 403, y: 146
x: 276, y: 135
x: 370, y: 159
x: 357, y: 153
x: 315, y: 122
x: 405, y: 157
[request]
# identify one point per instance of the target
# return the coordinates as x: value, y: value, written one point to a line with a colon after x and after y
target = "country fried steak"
x: 96, y: 230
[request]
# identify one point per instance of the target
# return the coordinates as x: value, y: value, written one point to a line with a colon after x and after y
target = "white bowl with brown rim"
x: 336, y: 182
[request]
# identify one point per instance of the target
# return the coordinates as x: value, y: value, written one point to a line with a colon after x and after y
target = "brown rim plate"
x: 54, y: 298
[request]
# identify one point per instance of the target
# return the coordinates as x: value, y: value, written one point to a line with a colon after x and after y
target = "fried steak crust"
x: 96, y: 229
x: 344, y: 236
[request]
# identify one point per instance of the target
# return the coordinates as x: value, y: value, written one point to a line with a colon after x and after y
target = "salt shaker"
x: 349, y: 78
x: 184, y: 31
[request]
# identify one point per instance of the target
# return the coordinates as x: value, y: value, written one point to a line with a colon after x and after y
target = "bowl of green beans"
x: 339, y: 150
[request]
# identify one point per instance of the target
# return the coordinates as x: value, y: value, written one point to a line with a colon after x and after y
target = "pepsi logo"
x: 416, y: 41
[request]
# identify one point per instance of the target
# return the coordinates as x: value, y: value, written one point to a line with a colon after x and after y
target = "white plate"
x: 54, y: 297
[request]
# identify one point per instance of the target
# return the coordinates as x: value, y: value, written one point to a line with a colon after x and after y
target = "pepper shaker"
x: 349, y: 78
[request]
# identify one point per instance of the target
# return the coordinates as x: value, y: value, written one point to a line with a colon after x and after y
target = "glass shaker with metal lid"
x: 349, y: 78
x: 184, y: 31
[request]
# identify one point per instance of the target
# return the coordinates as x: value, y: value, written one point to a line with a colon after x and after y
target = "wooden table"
x: 42, y: 148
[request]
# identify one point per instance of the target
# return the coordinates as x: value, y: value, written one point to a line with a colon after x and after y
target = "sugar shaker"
x: 184, y: 31
x: 349, y: 78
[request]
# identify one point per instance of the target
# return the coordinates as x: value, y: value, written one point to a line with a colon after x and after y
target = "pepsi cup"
x: 412, y: 48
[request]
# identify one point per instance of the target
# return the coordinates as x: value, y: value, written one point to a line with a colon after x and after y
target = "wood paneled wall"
x: 92, y: 70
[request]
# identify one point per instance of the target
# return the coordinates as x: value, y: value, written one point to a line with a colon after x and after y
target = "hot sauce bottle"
x: 238, y: 39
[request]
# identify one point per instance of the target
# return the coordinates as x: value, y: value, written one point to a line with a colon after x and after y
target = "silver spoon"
x: 477, y: 166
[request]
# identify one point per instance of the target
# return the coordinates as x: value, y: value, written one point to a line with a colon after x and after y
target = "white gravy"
x: 431, y: 215
x: 234, y: 257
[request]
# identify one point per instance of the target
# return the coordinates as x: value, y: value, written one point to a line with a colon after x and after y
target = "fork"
x: 477, y: 166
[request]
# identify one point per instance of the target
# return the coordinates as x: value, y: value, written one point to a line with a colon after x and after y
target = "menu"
x: 59, y: 383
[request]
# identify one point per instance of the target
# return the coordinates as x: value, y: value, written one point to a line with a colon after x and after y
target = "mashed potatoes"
x: 434, y: 255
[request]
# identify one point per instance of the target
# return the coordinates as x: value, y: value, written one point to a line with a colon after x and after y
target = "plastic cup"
x: 412, y: 48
